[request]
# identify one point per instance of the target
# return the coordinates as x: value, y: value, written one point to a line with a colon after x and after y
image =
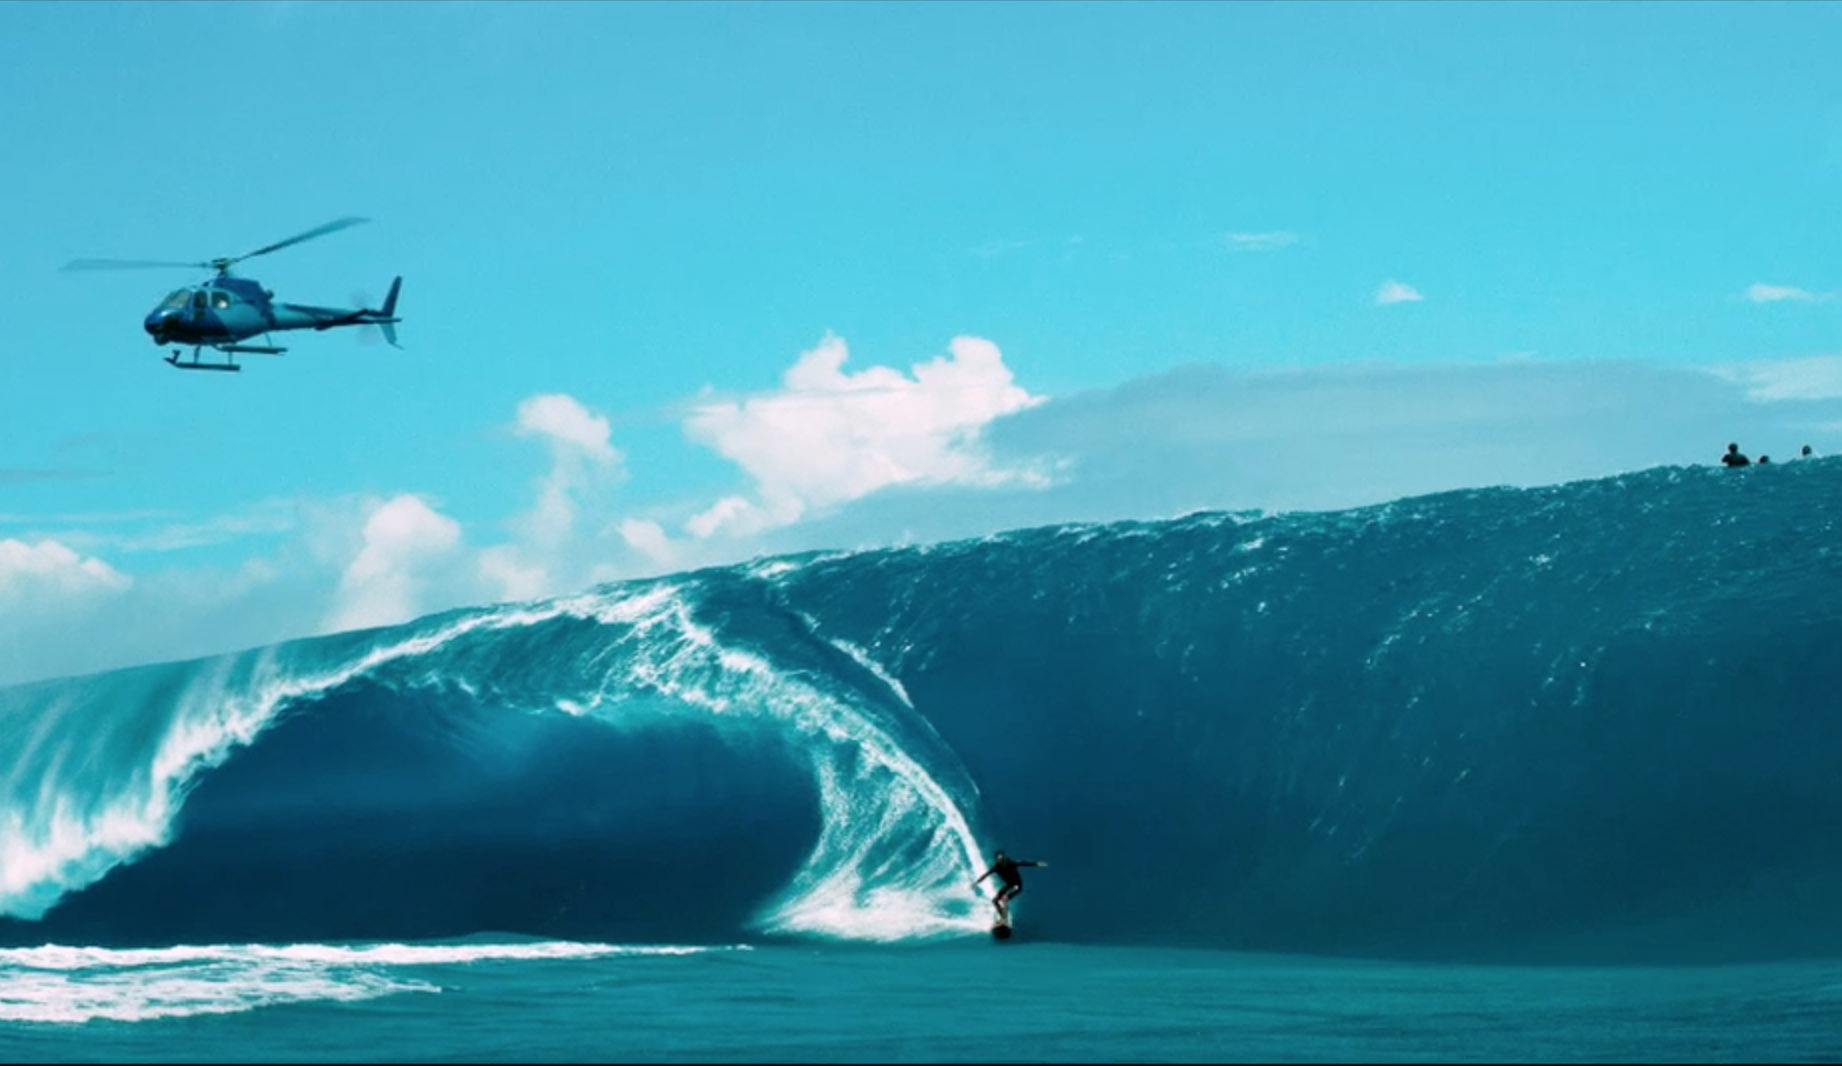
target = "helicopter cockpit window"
x: 178, y: 298
x: 198, y: 300
x: 220, y: 300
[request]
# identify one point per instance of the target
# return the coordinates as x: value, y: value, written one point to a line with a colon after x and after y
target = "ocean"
x: 1507, y: 774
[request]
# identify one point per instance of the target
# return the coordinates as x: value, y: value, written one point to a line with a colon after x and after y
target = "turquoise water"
x: 969, y: 1001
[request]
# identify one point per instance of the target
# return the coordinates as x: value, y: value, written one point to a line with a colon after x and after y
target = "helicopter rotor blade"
x: 221, y: 265
x: 128, y: 264
x: 318, y: 231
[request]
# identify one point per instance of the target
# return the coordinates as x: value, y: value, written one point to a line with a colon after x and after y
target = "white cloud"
x: 582, y: 459
x: 1815, y: 377
x: 383, y: 584
x: 508, y: 570
x: 1761, y: 293
x: 170, y: 607
x: 1260, y: 242
x: 55, y: 603
x: 828, y: 437
x: 565, y: 422
x: 648, y: 538
x: 741, y: 516
x: 1396, y: 292
x: 31, y: 572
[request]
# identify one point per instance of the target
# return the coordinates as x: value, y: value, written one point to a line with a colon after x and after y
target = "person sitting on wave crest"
x: 1806, y: 453
x: 1734, y: 458
x: 1006, y: 869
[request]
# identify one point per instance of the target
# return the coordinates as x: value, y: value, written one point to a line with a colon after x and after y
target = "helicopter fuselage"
x: 226, y: 310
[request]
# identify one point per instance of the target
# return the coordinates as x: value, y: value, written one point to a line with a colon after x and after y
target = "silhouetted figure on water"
x: 1734, y: 458
x: 1006, y: 869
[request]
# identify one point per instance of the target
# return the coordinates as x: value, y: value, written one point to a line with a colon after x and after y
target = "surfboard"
x: 1001, y: 930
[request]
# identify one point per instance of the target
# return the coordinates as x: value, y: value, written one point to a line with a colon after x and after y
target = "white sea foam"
x: 895, y: 856
x: 859, y: 885
x: 59, y: 984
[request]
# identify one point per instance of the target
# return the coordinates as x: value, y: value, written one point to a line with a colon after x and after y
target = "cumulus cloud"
x: 508, y: 570
x: 582, y: 458
x: 578, y: 447
x: 50, y: 598
x: 1761, y: 293
x: 565, y: 422
x: 1396, y: 292
x: 648, y: 538
x: 735, y: 512
x: 29, y: 572
x: 383, y: 584
x: 65, y: 610
x: 71, y: 614
x: 828, y: 437
x: 1260, y: 242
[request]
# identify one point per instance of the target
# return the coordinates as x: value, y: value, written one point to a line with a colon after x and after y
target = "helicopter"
x: 226, y: 310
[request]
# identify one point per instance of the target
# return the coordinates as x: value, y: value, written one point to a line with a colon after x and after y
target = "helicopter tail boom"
x: 308, y: 316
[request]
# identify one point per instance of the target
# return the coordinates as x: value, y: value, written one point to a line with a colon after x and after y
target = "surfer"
x: 1006, y: 869
x: 1734, y: 458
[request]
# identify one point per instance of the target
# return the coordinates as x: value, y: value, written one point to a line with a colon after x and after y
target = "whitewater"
x: 1547, y: 773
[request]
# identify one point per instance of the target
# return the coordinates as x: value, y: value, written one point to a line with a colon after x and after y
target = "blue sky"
x: 685, y: 283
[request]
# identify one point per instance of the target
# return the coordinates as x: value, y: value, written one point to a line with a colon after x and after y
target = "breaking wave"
x: 1588, y: 721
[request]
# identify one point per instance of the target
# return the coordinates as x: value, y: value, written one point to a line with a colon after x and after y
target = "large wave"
x: 1594, y: 720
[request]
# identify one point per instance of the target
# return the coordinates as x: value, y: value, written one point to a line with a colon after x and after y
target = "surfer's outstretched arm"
x: 983, y: 876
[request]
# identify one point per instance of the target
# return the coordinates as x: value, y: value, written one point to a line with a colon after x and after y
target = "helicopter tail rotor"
x: 380, y: 320
x: 369, y: 334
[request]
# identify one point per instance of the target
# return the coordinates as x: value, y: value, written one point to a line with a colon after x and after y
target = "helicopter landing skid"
x: 195, y: 364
